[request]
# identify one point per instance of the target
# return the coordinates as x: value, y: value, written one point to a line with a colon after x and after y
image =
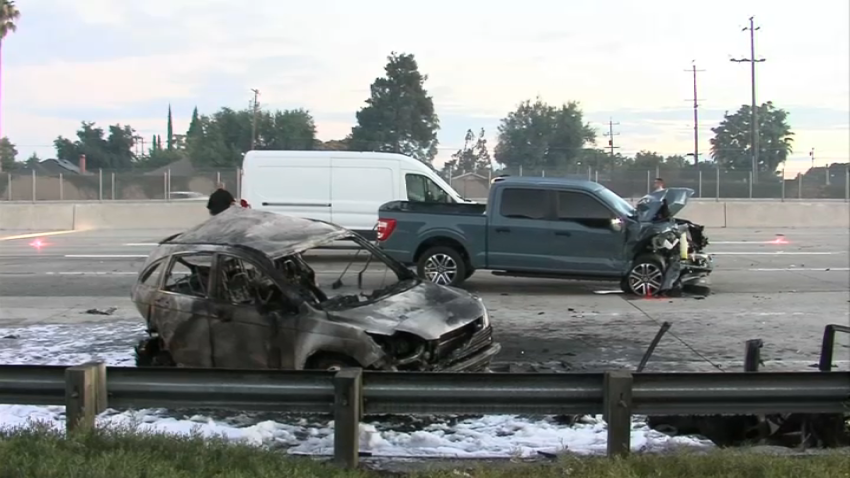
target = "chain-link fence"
x: 708, y: 183
x: 104, y: 185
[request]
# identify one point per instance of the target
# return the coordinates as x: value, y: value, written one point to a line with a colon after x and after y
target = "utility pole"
x: 254, y: 119
x: 752, y: 61
x: 610, y: 134
x: 696, y: 113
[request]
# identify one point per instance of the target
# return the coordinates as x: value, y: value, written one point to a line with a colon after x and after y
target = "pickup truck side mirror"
x: 616, y: 224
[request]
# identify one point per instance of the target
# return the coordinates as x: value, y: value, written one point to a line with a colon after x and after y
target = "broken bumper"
x: 479, y: 362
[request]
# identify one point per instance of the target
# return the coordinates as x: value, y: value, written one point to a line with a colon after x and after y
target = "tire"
x: 443, y: 266
x: 149, y: 353
x: 645, y: 277
x: 330, y: 362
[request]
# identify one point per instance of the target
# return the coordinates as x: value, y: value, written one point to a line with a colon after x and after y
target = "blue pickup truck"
x: 552, y: 228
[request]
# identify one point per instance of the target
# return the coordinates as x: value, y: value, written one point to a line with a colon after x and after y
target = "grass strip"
x: 42, y: 452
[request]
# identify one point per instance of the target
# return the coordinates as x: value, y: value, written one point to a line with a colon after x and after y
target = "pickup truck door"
x: 517, y: 228
x: 581, y: 239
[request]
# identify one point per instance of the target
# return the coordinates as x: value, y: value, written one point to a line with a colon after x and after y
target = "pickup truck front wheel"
x: 442, y: 265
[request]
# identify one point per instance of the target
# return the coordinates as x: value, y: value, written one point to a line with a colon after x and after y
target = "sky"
x: 624, y: 61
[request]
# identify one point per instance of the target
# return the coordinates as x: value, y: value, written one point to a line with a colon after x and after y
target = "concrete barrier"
x: 36, y: 217
x: 140, y: 215
x: 178, y: 215
x: 790, y: 214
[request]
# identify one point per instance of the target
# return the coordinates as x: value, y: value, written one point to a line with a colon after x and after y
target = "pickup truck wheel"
x: 442, y: 265
x: 645, y: 277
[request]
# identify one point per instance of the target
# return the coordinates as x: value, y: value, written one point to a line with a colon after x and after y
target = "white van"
x: 343, y: 187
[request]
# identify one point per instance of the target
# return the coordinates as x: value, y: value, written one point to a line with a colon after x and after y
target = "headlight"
x: 667, y: 241
x: 485, y: 319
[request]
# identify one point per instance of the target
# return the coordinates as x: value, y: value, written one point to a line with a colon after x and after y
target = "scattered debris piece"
x: 108, y: 311
x: 11, y: 337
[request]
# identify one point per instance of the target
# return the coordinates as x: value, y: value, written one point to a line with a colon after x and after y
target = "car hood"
x: 675, y: 198
x: 427, y: 310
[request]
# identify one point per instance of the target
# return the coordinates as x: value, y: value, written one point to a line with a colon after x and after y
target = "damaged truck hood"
x: 649, y: 206
x: 426, y: 310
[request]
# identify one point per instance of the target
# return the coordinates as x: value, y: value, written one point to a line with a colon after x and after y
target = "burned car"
x: 237, y: 292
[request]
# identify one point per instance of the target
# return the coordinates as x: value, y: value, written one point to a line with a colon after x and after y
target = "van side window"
x: 422, y: 189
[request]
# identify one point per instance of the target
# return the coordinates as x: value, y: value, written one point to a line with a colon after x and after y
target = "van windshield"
x: 447, y: 188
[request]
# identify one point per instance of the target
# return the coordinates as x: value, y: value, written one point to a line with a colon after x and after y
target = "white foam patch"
x: 488, y: 436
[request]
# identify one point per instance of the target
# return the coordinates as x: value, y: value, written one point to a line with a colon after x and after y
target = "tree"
x: 8, y: 153
x: 399, y: 115
x: 333, y: 145
x: 473, y: 157
x: 222, y: 139
x: 731, y: 146
x: 9, y: 15
x: 114, y: 151
x: 539, y: 136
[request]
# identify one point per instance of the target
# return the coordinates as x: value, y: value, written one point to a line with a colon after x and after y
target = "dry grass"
x: 41, y: 453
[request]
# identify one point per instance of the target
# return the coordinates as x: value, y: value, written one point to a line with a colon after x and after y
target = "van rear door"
x: 293, y: 186
x: 358, y: 188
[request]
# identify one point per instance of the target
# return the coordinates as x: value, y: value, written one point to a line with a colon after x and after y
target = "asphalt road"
x: 783, y: 293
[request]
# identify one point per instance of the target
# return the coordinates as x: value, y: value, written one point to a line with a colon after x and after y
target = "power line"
x: 696, y: 112
x: 752, y: 61
x: 610, y: 134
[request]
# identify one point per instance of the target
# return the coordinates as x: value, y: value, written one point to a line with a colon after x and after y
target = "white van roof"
x: 409, y: 163
x: 333, y: 155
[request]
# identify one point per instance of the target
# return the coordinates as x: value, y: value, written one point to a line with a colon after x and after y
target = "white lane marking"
x: 141, y: 244
x: 775, y: 253
x: 329, y: 272
x: 129, y: 273
x: 106, y: 256
x: 714, y: 243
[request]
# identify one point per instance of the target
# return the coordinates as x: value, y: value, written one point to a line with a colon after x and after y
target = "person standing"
x: 220, y: 200
x: 659, y: 185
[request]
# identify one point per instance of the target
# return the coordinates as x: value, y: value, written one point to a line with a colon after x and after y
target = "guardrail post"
x: 101, y: 395
x: 80, y: 398
x: 348, y: 404
x: 752, y: 355
x: 617, y: 393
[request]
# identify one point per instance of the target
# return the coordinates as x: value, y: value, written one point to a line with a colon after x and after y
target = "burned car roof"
x: 272, y: 234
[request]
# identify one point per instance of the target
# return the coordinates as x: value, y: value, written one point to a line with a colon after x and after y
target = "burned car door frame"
x: 248, y: 330
x: 181, y: 318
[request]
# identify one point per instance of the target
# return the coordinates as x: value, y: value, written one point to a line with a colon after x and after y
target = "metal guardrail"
x: 89, y: 389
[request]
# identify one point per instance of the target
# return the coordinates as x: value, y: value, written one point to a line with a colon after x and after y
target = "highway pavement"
x: 782, y: 286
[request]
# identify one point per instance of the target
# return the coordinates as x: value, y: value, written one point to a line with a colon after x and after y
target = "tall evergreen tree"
x: 170, y: 138
x: 399, y: 116
x: 194, y: 124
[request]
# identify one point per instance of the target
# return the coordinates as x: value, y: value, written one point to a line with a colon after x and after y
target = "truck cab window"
x: 422, y: 189
x: 524, y: 203
x: 581, y: 208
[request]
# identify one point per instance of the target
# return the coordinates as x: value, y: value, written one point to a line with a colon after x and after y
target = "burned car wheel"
x: 330, y: 362
x: 442, y: 265
x: 149, y: 353
x: 645, y: 277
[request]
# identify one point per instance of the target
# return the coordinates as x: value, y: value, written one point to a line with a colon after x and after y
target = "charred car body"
x: 235, y: 292
x: 553, y: 228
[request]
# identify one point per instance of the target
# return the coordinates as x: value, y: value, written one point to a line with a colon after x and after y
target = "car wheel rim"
x: 440, y: 269
x: 645, y: 279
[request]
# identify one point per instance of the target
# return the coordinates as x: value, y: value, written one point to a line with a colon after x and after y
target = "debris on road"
x: 108, y: 311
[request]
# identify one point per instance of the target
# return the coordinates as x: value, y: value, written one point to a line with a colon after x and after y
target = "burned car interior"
x: 239, y: 292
